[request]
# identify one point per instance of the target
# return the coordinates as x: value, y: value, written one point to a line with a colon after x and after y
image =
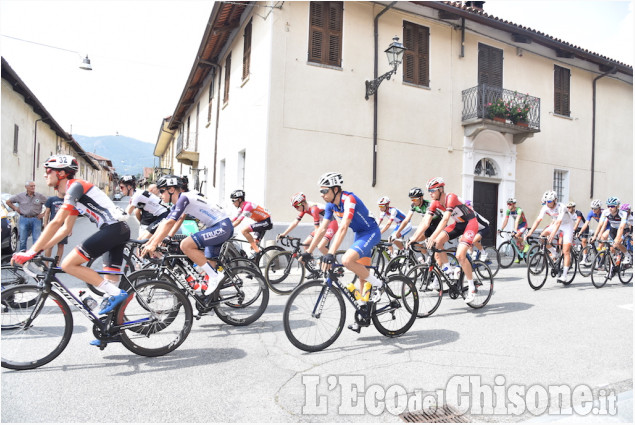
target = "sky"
x: 142, y: 52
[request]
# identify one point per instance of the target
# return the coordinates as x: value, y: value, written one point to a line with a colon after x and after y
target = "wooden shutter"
x: 561, y: 93
x: 416, y: 62
x: 247, y: 50
x: 490, y: 66
x: 228, y: 67
x: 325, y: 33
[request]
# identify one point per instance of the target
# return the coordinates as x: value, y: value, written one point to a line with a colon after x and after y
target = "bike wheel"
x: 14, y: 275
x: 572, y: 268
x: 600, y: 269
x: 493, y: 259
x: 483, y: 283
x: 378, y: 261
x: 244, y: 296
x: 584, y: 267
x: 265, y: 256
x: 28, y: 346
x: 399, y: 265
x: 625, y: 273
x: 429, y: 298
x: 155, y: 319
x: 314, y: 316
x: 537, y: 269
x: 284, y: 272
x: 397, y: 309
x: 507, y: 254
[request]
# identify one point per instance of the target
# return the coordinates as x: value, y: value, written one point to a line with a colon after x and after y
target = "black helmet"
x: 237, y: 194
x: 169, y: 181
x: 415, y: 192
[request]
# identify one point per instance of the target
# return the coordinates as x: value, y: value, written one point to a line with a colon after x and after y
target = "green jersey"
x: 515, y: 214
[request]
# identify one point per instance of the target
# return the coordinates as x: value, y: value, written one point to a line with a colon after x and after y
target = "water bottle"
x: 351, y: 288
x: 89, y: 302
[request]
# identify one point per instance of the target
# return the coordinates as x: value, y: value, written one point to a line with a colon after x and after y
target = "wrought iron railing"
x: 477, y: 101
x: 186, y: 143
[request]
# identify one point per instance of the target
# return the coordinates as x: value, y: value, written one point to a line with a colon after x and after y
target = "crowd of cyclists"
x: 162, y: 209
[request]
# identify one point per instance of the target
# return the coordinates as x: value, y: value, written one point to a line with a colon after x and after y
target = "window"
x: 416, y: 62
x: 241, y: 169
x: 228, y: 67
x: 561, y: 90
x: 210, y: 96
x: 325, y: 32
x: 561, y: 184
x: 247, y: 50
x: 485, y: 168
x: 16, y: 131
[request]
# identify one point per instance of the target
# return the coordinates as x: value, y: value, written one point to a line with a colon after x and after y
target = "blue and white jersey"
x: 197, y: 206
x: 393, y: 214
x: 351, y: 207
x: 615, y: 221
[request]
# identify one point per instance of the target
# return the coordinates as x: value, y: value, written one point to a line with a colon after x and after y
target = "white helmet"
x: 384, y: 200
x: 596, y: 203
x: 435, y: 183
x: 571, y: 204
x: 67, y: 163
x: 297, y: 199
x: 331, y: 179
x: 549, y: 196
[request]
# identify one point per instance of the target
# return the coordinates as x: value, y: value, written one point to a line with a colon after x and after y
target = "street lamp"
x: 86, y: 64
x: 394, y: 52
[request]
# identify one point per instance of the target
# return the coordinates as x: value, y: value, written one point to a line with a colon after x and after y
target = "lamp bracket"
x: 372, y: 86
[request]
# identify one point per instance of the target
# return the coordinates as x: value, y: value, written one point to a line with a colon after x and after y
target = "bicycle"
x: 37, y: 322
x: 14, y: 275
x: 260, y: 258
x: 285, y: 271
x: 588, y: 252
x: 606, y: 265
x: 492, y: 259
x: 315, y: 312
x: 540, y: 263
x: 509, y: 251
x: 235, y: 301
x: 429, y: 279
x: 406, y: 259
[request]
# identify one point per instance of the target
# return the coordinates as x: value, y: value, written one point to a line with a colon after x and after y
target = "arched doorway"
x: 486, y: 195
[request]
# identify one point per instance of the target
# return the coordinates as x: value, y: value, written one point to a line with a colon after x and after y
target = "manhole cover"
x: 443, y: 414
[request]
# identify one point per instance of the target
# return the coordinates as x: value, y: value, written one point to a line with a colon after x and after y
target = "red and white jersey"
x: 253, y: 211
x: 315, y: 210
x: 459, y: 212
x: 86, y: 199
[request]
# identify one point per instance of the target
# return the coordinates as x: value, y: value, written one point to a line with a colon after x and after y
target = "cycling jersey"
x: 148, y: 202
x: 615, y: 221
x: 86, y: 199
x: 575, y: 216
x: 253, y: 211
x: 459, y: 212
x: 422, y: 208
x: 514, y: 214
x: 315, y: 210
x: 592, y: 215
x: 351, y: 207
x: 558, y: 211
x: 196, y: 206
x: 394, y: 214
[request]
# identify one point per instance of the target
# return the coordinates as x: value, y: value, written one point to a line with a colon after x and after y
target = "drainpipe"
x: 611, y: 71
x: 377, y: 92
x: 216, y: 75
x: 35, y: 146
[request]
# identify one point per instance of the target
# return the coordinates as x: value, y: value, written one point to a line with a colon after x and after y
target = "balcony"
x: 476, y: 116
x: 187, y: 149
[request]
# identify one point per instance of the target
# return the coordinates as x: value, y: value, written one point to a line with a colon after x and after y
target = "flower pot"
x: 499, y: 119
x: 522, y: 124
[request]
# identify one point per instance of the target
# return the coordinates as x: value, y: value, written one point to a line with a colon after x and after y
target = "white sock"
x: 565, y: 270
x: 373, y: 280
x: 470, y: 285
x: 213, y: 277
x: 109, y: 288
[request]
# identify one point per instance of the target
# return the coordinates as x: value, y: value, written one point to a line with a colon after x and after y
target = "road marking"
x: 627, y: 306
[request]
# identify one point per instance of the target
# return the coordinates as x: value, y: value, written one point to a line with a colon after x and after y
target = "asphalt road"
x: 523, y: 342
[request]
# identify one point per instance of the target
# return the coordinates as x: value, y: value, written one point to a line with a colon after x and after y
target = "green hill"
x: 128, y: 155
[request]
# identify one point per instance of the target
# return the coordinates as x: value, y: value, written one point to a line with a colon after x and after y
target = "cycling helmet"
x: 612, y: 201
x: 237, y: 194
x: 67, y: 163
x: 128, y: 180
x: 415, y: 192
x: 384, y: 200
x: 297, y: 199
x: 331, y: 179
x: 549, y: 196
x: 435, y: 183
x: 511, y: 201
x: 596, y: 203
x: 571, y: 204
x: 169, y: 181
x: 625, y: 207
x: 468, y: 203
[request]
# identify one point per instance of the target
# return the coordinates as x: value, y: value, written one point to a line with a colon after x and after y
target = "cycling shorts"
x: 567, y: 232
x: 485, y: 231
x: 212, y: 238
x: 467, y: 231
x: 404, y: 232
x: 365, y: 241
x: 261, y: 227
x: 433, y: 226
x: 330, y: 230
x: 109, y: 241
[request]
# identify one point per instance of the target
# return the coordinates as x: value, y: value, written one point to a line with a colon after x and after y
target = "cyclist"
x: 257, y: 213
x: 465, y: 225
x: 561, y: 222
x: 612, y: 224
x: 81, y: 197
x: 394, y: 216
x: 202, y: 245
x: 483, y: 230
x: 351, y: 212
x: 148, y: 208
x: 299, y: 202
x: 520, y: 224
x: 429, y: 223
x: 629, y: 218
x: 594, y: 214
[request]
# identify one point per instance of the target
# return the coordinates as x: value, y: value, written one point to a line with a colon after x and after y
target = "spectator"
x: 52, y: 205
x: 29, y: 207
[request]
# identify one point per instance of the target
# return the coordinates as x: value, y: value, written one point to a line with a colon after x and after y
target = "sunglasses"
x: 612, y: 206
x: 432, y: 190
x: 162, y: 190
x: 414, y: 199
x: 48, y: 171
x: 325, y: 191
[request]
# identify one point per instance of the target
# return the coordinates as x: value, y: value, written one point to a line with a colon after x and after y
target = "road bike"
x: 429, y: 280
x: 242, y: 295
x: 509, y: 251
x: 542, y: 264
x: 14, y: 275
x: 492, y: 259
x: 37, y: 323
x: 605, y: 265
x: 406, y: 259
x: 285, y: 270
x: 315, y: 312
